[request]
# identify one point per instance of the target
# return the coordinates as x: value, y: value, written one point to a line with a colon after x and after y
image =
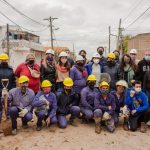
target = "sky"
x: 83, y: 23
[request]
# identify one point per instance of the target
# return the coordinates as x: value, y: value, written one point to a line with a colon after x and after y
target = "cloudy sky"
x: 82, y: 22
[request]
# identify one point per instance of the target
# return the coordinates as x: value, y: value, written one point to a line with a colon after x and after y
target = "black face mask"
x: 80, y: 64
x: 30, y: 62
x: 91, y: 84
x: 23, y: 89
x: 110, y: 63
x: 4, y: 64
x: 100, y: 52
x: 68, y: 91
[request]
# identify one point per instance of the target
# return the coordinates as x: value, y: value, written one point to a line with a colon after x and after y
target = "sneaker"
x: 14, y: 131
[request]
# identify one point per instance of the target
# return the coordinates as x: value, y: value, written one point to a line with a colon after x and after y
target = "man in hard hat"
x: 105, y: 104
x: 112, y: 68
x: 120, y: 95
x: 133, y: 55
x: 6, y: 72
x: 88, y: 95
x: 67, y: 104
x: 45, y: 105
x: 137, y: 102
x: 21, y: 100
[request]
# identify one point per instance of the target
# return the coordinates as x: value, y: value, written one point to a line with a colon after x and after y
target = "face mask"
x: 110, y: 63
x: 96, y: 61
x: 63, y: 60
x: 4, y: 64
x: 46, y: 90
x: 138, y: 90
x: 91, y: 84
x: 30, y: 62
x: 23, y: 89
x: 104, y: 92
x: 68, y: 91
x: 100, y: 52
x: 80, y: 64
x: 50, y: 59
x: 133, y: 57
x: 147, y: 57
x: 83, y: 56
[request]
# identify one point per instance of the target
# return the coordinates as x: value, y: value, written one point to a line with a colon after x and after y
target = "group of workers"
x: 100, y: 90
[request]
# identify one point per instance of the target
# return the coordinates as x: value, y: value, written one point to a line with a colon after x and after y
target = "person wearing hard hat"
x: 103, y: 60
x: 105, y: 104
x: 30, y: 69
x: 62, y: 68
x: 78, y: 74
x: 6, y: 72
x: 83, y: 54
x: 88, y: 95
x: 137, y: 102
x: 95, y: 67
x: 133, y: 55
x: 127, y: 69
x: 67, y: 104
x: 112, y: 68
x: 48, y: 70
x: 120, y: 95
x: 21, y: 99
x: 45, y: 105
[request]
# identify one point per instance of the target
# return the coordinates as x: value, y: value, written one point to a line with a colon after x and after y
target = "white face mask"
x: 138, y: 90
x: 63, y: 60
x: 96, y: 60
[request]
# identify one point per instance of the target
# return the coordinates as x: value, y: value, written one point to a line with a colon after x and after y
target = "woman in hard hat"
x: 67, y: 104
x: 21, y: 100
x: 105, y: 104
x: 95, y: 67
x: 79, y: 74
x: 6, y: 72
x: 62, y: 69
x: 48, y: 70
x: 120, y: 95
x: 112, y: 68
x: 30, y: 69
x: 45, y: 105
x: 127, y: 69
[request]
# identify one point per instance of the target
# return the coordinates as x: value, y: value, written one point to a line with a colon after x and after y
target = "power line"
x: 15, y: 9
x: 137, y: 18
x: 21, y: 26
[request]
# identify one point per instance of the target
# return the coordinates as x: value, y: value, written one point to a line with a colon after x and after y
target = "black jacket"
x: 146, y: 82
x: 64, y: 102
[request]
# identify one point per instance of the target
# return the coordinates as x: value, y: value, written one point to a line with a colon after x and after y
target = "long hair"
x: 131, y: 63
x: 67, y: 65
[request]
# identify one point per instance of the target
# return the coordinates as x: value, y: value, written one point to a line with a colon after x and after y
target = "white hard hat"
x: 122, y: 83
x: 133, y: 51
x: 63, y: 54
x: 50, y: 51
x: 79, y: 58
x: 96, y: 55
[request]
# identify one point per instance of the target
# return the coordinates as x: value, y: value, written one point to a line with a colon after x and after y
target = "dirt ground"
x: 82, y: 137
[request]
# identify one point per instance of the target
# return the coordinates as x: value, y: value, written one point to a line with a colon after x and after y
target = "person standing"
x: 103, y: 60
x: 31, y: 70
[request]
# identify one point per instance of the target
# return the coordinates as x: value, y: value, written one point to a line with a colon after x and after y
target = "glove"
x: 124, y: 111
x: 23, y: 112
x: 106, y: 116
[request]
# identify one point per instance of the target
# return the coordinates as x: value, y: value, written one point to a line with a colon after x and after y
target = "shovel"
x: 6, y: 123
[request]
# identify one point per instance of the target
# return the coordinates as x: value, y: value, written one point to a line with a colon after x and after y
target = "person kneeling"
x: 45, y: 105
x: 67, y: 104
x: 104, y: 104
x: 21, y: 100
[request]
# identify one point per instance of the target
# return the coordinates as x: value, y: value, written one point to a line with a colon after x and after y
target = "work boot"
x: 71, y: 121
x: 14, y: 131
x: 38, y: 128
x: 125, y: 125
x: 143, y: 127
x: 97, y: 125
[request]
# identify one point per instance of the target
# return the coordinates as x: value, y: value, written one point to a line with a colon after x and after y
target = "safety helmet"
x: 122, y: 83
x: 4, y: 56
x: 96, y: 55
x: 46, y: 83
x: 23, y: 79
x: 111, y: 55
x: 91, y: 78
x: 104, y: 83
x: 50, y: 51
x: 133, y: 51
x: 79, y: 58
x: 68, y: 82
x: 63, y: 54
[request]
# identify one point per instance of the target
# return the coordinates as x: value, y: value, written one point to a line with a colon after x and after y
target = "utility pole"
x: 50, y: 19
x: 109, y: 38
x: 7, y: 39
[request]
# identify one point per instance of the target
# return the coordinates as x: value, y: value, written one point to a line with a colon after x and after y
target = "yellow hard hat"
x: 68, y: 82
x: 91, y: 78
x: 111, y: 55
x: 23, y: 79
x: 4, y: 56
x: 104, y: 83
x: 46, y: 83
